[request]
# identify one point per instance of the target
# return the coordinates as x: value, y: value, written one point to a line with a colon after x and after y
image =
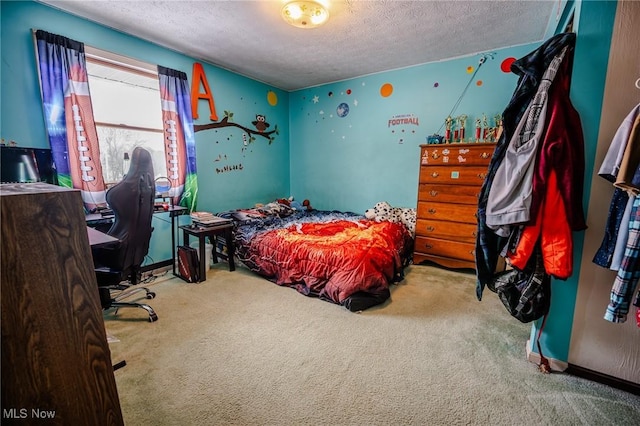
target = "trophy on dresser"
x: 447, y: 125
x: 498, y: 120
x: 485, y: 127
x: 462, y: 119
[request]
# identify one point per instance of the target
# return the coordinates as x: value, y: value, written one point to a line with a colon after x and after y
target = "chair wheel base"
x: 153, y: 317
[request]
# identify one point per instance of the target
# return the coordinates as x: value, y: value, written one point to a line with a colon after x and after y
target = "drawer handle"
x: 481, y: 175
x: 435, y: 174
x: 435, y: 155
x: 485, y: 155
x: 429, y: 246
x: 474, y: 233
x: 475, y: 214
x: 433, y: 193
x: 472, y: 252
x: 430, y: 228
x: 432, y: 211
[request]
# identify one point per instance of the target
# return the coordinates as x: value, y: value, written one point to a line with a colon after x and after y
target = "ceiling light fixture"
x: 305, y: 13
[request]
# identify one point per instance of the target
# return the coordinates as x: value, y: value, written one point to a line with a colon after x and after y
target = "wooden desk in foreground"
x: 55, y: 355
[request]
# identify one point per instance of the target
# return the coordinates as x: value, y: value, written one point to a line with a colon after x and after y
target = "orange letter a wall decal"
x: 198, y: 77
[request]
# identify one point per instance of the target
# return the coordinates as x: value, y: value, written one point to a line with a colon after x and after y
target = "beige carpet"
x: 239, y: 350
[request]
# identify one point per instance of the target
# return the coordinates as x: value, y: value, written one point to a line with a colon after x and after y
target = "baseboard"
x: 585, y: 373
x: 606, y: 379
x: 534, y: 357
x: 154, y: 266
x: 156, y: 270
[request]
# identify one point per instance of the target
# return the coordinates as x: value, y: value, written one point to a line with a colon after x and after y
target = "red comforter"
x: 333, y: 260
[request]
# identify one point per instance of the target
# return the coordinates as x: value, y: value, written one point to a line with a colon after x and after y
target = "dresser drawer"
x: 457, y: 154
x: 464, y: 213
x: 453, y: 175
x: 449, y: 193
x: 446, y: 230
x: 444, y: 248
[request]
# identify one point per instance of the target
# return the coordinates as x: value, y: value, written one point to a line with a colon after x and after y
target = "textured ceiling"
x: 361, y: 37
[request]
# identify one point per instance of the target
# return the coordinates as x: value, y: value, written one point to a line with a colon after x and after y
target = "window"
x: 125, y: 96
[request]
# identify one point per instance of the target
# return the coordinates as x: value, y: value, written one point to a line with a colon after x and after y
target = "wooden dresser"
x: 451, y: 176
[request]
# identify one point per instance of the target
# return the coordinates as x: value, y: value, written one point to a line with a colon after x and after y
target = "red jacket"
x: 556, y: 203
x: 553, y: 230
x: 562, y: 150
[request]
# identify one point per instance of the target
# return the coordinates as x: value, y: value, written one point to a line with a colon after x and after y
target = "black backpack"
x: 526, y: 294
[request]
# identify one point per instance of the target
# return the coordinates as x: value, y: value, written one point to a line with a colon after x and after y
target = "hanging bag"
x: 526, y: 294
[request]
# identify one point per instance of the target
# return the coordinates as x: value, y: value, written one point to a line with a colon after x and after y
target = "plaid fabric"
x: 530, y: 68
x: 629, y: 272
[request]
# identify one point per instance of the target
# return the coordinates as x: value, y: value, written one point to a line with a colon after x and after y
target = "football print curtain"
x: 179, y: 138
x: 68, y: 115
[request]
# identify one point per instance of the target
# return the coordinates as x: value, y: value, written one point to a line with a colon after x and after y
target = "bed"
x: 339, y: 257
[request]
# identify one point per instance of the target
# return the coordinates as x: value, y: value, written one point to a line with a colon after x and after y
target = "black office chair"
x: 117, y: 266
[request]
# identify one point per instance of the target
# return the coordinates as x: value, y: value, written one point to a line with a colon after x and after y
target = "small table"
x: 201, y: 233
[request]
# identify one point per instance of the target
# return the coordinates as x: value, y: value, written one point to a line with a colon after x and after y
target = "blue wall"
x: 353, y: 161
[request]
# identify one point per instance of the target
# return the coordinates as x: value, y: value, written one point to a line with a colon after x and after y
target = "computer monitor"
x: 21, y: 164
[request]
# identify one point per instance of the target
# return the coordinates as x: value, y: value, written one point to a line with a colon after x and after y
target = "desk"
x: 103, y: 223
x: 210, y: 231
x: 53, y: 333
x: 99, y: 222
x: 99, y: 239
